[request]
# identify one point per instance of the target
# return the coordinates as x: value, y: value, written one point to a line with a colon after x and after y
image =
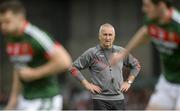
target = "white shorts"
x: 165, y: 96
x: 53, y: 104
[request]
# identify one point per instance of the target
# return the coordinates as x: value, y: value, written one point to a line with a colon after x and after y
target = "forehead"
x: 107, y: 30
x: 7, y: 14
x: 147, y: 1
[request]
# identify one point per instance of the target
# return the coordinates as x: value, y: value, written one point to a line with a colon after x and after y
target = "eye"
x: 105, y: 34
x: 110, y: 34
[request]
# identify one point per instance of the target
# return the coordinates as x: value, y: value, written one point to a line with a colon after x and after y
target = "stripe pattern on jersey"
x: 176, y: 16
x: 42, y: 38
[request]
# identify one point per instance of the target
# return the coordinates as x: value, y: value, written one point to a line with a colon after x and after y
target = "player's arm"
x: 59, y: 61
x: 137, y: 40
x: 135, y: 67
x: 80, y: 63
x: 15, y: 91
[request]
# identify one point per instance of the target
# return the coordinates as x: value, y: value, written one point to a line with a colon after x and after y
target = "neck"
x: 106, y: 47
x: 21, y: 28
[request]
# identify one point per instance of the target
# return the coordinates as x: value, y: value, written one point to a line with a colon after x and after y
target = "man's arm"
x: 135, y: 67
x: 83, y: 62
x: 59, y: 61
x: 137, y: 40
x: 15, y: 91
x: 89, y: 86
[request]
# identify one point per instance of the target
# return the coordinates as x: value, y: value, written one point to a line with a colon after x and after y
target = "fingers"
x: 95, y: 89
x: 124, y: 87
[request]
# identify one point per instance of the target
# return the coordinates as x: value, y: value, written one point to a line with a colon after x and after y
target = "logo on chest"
x: 19, y: 52
x: 163, y: 35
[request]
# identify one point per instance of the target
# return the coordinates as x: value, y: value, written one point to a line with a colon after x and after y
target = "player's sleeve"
x: 178, y: 29
x: 133, y: 64
x: 176, y: 19
x: 82, y: 62
x: 46, y: 42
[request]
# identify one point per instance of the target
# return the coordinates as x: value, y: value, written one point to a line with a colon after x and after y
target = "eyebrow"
x: 107, y: 34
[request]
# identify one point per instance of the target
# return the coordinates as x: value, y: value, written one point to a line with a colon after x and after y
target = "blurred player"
x: 162, y: 27
x: 37, y: 58
x: 107, y: 85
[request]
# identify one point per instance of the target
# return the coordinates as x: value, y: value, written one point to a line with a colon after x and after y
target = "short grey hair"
x: 105, y: 25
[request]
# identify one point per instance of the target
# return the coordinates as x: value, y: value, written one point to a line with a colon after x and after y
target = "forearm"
x: 135, y: 68
x: 77, y: 74
x: 52, y: 67
x: 84, y: 82
x: 60, y: 61
x: 15, y: 91
x: 16, y: 85
x: 138, y: 39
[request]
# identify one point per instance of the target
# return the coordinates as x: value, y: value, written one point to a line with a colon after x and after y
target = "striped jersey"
x: 166, y: 38
x: 32, y: 49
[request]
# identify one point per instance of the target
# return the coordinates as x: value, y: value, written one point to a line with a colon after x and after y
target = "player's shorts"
x: 165, y: 96
x: 53, y: 104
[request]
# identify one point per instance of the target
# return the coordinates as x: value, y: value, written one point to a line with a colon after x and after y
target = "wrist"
x: 129, y: 81
x: 84, y: 82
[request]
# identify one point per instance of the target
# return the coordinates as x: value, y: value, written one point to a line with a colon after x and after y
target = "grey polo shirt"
x: 108, y: 78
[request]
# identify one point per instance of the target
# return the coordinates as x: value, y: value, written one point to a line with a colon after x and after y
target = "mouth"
x: 107, y: 42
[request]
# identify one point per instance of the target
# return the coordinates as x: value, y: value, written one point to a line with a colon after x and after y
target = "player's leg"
x: 161, y: 98
x: 54, y: 104
x: 178, y: 99
x: 24, y: 104
x: 57, y: 103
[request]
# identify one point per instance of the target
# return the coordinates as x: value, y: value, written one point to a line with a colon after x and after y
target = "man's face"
x: 150, y: 9
x: 106, y: 37
x: 9, y: 22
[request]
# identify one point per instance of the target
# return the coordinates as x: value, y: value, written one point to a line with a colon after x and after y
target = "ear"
x: 21, y: 16
x: 161, y: 5
x: 99, y: 38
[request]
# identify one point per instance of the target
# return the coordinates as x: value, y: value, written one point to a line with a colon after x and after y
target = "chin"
x: 108, y: 46
x: 4, y: 32
x: 152, y: 17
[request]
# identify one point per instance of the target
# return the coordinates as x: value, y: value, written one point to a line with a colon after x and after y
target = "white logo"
x: 101, y: 55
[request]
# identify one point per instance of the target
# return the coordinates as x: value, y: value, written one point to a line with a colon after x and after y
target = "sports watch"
x: 129, y: 81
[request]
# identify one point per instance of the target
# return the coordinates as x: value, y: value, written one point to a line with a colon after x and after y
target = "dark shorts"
x: 108, y: 104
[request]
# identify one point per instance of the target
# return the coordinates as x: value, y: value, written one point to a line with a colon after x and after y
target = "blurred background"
x: 75, y: 24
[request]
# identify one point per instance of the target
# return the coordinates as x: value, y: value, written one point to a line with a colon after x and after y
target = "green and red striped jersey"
x: 166, y: 38
x: 32, y: 49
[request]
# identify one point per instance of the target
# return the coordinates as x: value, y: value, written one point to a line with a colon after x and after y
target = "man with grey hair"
x: 107, y: 84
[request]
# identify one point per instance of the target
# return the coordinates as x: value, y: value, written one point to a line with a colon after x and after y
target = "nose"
x: 108, y: 37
